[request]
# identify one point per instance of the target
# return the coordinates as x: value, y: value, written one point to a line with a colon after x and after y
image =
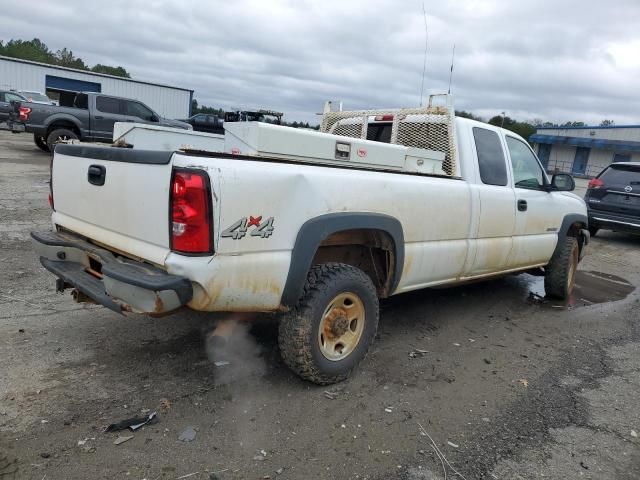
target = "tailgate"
x: 117, y: 197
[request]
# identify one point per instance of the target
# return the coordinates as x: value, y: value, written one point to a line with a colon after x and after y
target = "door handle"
x: 96, y: 175
x: 522, y: 205
x: 98, y: 117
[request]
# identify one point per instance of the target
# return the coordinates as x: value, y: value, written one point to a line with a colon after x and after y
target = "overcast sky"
x: 554, y: 60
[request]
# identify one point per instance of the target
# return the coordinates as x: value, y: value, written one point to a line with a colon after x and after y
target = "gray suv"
x: 613, y: 199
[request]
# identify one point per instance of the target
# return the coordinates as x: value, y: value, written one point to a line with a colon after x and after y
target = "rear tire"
x: 59, y: 134
x: 560, y: 273
x: 329, y: 332
x: 41, y: 142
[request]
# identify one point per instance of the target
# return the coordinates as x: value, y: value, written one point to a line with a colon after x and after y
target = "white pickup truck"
x: 315, y: 225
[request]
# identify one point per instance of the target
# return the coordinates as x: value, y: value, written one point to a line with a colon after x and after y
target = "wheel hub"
x: 341, y: 326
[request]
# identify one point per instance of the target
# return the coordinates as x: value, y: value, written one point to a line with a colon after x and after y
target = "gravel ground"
x: 507, y: 385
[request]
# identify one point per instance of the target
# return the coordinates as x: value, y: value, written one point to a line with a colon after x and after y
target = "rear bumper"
x: 614, y: 221
x: 118, y: 284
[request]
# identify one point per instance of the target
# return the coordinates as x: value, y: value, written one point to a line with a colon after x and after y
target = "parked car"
x: 6, y: 108
x: 36, y: 97
x: 90, y: 119
x: 203, y: 122
x: 613, y: 199
x: 316, y: 226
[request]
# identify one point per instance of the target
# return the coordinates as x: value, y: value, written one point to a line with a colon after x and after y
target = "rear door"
x: 115, y: 196
x: 620, y: 192
x: 108, y: 110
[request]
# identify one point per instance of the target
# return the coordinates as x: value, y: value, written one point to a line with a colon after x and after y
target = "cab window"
x: 136, y: 109
x: 493, y: 169
x: 527, y: 172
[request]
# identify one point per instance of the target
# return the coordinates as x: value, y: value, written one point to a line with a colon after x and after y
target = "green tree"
x: 106, y: 69
x: 524, y: 129
x: 65, y: 58
x: 465, y: 114
x: 34, y: 50
x: 607, y: 123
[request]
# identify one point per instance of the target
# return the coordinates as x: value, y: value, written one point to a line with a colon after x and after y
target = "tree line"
x: 526, y: 128
x: 36, y: 50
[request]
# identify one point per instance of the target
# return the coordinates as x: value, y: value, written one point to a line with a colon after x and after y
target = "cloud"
x: 569, y: 60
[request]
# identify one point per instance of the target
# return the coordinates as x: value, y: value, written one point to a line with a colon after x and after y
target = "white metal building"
x: 585, y: 151
x: 168, y: 101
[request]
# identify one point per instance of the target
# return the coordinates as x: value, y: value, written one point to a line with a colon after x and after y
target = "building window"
x: 621, y: 157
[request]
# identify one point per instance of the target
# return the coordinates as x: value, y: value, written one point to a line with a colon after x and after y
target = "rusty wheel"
x: 341, y: 326
x: 560, y: 273
x: 329, y: 332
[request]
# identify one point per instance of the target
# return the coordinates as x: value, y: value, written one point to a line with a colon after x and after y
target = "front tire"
x: 59, y: 134
x: 41, y: 142
x: 560, y: 273
x: 329, y: 332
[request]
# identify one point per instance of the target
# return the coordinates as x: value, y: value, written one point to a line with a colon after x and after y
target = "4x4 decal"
x: 239, y: 229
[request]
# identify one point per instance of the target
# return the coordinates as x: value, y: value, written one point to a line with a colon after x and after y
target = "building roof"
x: 587, y: 127
x: 89, y: 72
x: 601, y: 143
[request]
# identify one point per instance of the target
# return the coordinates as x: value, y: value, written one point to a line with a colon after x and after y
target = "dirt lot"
x: 508, y: 385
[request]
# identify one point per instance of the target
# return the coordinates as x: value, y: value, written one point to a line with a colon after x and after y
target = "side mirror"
x: 154, y: 118
x: 562, y: 182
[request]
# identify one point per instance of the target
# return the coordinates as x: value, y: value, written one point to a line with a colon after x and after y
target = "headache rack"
x: 431, y: 127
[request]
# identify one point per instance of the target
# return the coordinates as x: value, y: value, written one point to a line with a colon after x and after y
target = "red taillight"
x: 190, y: 212
x: 24, y: 113
x: 384, y: 118
x: 596, y: 183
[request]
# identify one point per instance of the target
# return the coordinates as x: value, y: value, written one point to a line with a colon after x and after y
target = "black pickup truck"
x: 89, y: 118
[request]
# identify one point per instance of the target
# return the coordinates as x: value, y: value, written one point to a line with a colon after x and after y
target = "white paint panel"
x: 131, y: 208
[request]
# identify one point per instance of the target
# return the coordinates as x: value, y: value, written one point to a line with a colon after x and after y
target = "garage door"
x: 60, y: 83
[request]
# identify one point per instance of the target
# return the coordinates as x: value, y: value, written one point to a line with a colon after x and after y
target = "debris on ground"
x: 165, y: 404
x: 451, y: 444
x: 188, y: 434
x: 86, y: 448
x: 259, y: 458
x: 279, y: 471
x: 388, y: 409
x: 188, y: 475
x: 634, y: 434
x: 418, y: 353
x: 120, y: 439
x: 331, y: 394
x: 456, y: 344
x: 132, y: 424
x: 221, y: 363
x: 524, y: 382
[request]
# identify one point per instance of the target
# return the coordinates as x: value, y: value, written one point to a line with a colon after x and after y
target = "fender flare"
x: 567, y: 221
x: 62, y: 117
x: 314, y: 231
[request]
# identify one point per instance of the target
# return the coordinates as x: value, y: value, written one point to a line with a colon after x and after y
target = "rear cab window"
x: 527, y: 172
x: 493, y: 168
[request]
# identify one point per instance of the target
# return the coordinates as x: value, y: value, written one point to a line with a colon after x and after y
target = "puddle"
x: 590, y: 288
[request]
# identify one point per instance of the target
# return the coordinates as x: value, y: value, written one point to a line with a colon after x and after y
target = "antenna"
x: 453, y: 53
x: 426, y: 43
